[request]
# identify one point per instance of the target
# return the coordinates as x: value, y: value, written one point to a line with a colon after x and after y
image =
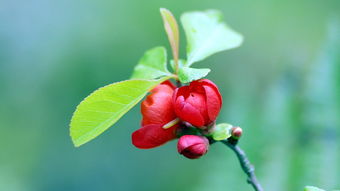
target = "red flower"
x: 199, y: 103
x: 193, y: 146
x: 157, y: 111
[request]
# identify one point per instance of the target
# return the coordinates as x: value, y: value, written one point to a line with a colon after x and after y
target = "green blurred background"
x: 282, y: 86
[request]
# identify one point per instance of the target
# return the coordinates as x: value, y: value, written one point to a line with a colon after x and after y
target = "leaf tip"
x: 78, y: 141
x: 77, y: 145
x: 74, y: 139
x: 163, y: 10
x: 241, y: 37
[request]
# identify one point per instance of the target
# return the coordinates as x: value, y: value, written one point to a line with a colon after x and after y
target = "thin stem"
x: 245, y: 163
x: 178, y: 84
x: 176, y: 63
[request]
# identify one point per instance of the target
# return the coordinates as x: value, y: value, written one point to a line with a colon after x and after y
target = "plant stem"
x: 178, y: 84
x: 245, y: 163
x: 176, y: 64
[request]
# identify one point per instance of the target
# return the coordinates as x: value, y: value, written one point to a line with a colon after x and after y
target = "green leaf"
x: 171, y: 29
x: 207, y: 34
x: 222, y: 131
x: 152, y: 65
x: 181, y: 63
x: 105, y: 106
x: 312, y: 188
x: 186, y: 74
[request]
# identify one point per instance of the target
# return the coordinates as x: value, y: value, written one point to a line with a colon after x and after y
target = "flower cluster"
x: 169, y: 110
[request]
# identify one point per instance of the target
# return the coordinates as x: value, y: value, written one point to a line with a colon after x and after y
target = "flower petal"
x: 214, y: 86
x: 153, y: 135
x: 157, y: 108
x: 186, y: 112
x: 213, y: 102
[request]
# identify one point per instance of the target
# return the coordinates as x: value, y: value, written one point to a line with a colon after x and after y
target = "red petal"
x: 169, y: 83
x: 186, y: 112
x: 213, y: 102
x: 198, y: 101
x: 150, y: 136
x: 157, y: 108
x: 214, y: 86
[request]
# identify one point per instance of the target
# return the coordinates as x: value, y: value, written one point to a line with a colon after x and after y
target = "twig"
x: 245, y: 163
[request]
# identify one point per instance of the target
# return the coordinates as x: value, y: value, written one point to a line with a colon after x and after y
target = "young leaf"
x: 152, y: 65
x: 312, y: 188
x: 105, y: 106
x: 186, y: 74
x: 181, y: 63
x: 171, y: 29
x: 207, y: 34
x: 222, y: 131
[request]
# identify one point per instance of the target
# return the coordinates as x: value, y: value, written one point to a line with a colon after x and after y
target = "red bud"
x: 236, y: 132
x: 193, y: 146
x: 199, y: 103
x: 157, y: 110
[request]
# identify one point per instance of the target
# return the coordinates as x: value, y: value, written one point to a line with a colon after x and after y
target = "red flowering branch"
x: 186, y: 111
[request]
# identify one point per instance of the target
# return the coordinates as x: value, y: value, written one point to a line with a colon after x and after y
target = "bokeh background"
x: 282, y: 86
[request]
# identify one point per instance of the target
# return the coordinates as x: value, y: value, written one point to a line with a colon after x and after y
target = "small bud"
x: 236, y: 132
x: 193, y: 146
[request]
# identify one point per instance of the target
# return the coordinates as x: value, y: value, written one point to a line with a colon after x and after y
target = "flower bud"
x: 157, y: 111
x: 199, y: 103
x: 236, y: 132
x: 193, y: 146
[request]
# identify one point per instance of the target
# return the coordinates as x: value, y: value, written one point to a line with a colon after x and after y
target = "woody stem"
x: 247, y: 167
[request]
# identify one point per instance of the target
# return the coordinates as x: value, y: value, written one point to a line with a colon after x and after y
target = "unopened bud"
x: 193, y: 146
x: 236, y: 132
x: 198, y: 103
